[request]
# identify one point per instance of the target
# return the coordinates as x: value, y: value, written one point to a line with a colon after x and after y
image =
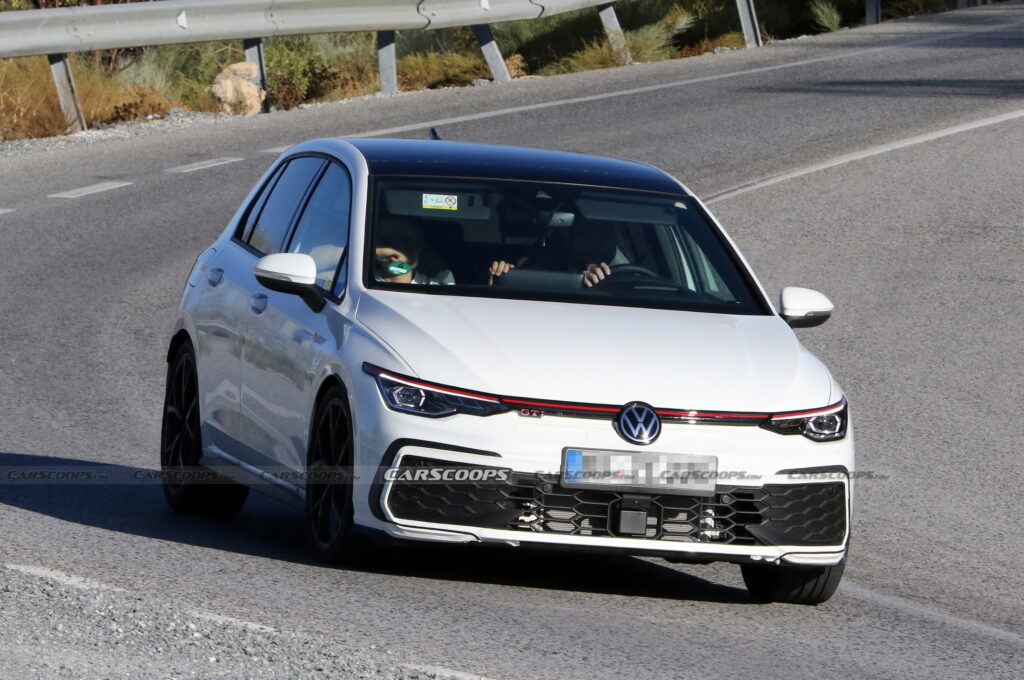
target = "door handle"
x: 258, y: 303
x: 214, y: 276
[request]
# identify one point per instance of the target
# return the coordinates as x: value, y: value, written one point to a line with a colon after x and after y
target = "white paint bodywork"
x: 260, y: 375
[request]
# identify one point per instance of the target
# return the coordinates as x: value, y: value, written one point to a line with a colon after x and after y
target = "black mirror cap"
x: 310, y: 293
x: 807, y: 320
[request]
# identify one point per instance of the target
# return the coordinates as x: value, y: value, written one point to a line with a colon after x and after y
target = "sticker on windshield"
x: 440, y: 202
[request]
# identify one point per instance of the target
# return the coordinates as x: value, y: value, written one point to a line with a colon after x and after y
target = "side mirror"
x: 292, y: 273
x: 803, y: 307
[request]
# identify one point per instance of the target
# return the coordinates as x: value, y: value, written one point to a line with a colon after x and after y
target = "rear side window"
x: 322, y: 232
x: 278, y: 210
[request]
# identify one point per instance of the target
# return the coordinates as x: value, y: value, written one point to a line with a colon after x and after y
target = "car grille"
x: 774, y: 514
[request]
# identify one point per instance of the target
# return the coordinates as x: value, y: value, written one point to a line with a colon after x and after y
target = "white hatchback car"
x: 466, y: 343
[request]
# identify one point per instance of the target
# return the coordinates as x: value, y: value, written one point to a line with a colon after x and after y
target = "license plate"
x: 640, y: 471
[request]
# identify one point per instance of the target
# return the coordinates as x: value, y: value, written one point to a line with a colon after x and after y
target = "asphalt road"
x: 919, y: 246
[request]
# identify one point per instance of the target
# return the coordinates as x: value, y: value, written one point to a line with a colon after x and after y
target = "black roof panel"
x: 462, y: 159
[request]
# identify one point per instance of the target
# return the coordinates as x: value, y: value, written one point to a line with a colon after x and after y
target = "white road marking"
x: 927, y: 612
x: 202, y: 165
x: 79, y: 582
x: 91, y: 189
x: 218, y: 618
x: 671, y: 85
x: 866, y: 153
x: 277, y: 149
x: 6, y: 210
x: 445, y: 673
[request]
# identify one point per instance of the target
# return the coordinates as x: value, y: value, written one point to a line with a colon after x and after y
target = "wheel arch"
x: 179, y: 339
x: 329, y: 381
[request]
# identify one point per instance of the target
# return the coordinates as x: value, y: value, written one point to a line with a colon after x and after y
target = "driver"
x: 398, y: 252
x: 588, y: 247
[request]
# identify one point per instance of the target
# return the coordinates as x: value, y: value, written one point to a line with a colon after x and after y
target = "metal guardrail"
x: 143, y: 24
x: 57, y: 32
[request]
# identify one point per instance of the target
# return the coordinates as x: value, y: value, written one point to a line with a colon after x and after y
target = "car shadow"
x: 113, y: 497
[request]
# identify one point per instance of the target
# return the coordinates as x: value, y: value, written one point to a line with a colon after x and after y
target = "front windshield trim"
x: 763, y: 308
x: 533, y: 296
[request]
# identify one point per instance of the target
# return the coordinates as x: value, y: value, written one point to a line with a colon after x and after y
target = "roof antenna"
x: 433, y: 134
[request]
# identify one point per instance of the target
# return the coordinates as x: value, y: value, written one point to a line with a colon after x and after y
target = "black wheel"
x: 181, y: 445
x: 792, y: 584
x: 329, y: 483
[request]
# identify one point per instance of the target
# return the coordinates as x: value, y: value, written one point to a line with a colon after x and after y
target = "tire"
x: 181, y: 445
x: 329, y: 463
x: 792, y: 584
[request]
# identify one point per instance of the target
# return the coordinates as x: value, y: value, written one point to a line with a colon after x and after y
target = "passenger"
x: 398, y: 253
x: 589, y: 248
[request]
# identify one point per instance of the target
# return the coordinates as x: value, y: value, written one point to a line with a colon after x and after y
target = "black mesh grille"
x: 775, y: 514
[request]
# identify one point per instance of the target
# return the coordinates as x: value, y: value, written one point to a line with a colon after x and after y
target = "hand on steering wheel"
x: 595, y: 273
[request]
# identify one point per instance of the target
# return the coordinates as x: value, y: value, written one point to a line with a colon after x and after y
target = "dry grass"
x: 429, y: 70
x: 734, y: 40
x: 516, y: 65
x: 825, y: 16
x: 896, y: 9
x: 28, y: 101
x: 649, y: 43
x: 106, y: 99
x: 29, y: 105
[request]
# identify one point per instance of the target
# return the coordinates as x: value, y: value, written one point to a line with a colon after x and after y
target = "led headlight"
x: 822, y: 425
x: 410, y: 395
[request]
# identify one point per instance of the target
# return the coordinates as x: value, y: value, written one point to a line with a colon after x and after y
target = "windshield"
x: 565, y: 243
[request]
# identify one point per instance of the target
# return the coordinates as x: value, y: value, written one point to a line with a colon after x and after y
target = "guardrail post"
x: 66, y: 92
x: 873, y: 12
x: 748, y: 19
x: 492, y: 53
x: 616, y: 38
x: 388, y: 64
x: 254, y: 53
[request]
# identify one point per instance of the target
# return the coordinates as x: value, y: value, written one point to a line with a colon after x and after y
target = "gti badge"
x: 637, y: 423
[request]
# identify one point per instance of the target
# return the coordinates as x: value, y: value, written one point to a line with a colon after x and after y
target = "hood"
x: 599, y: 354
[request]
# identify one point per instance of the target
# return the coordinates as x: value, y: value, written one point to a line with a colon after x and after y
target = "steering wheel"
x: 634, y: 276
x: 632, y: 270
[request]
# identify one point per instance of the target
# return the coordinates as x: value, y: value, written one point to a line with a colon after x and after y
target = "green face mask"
x: 398, y: 268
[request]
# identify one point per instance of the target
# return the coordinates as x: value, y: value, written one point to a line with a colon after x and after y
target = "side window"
x: 322, y: 232
x: 275, y: 218
x: 257, y: 206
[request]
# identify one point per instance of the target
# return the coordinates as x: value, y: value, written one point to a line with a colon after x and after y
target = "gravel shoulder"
x: 54, y: 625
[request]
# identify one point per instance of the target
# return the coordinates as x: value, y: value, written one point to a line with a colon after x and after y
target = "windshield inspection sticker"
x: 440, y: 202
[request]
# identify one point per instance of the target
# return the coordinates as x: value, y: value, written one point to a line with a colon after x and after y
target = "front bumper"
x: 778, y: 498
x: 799, y: 522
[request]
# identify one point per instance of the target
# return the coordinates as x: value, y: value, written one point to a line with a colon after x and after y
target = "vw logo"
x: 637, y: 423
